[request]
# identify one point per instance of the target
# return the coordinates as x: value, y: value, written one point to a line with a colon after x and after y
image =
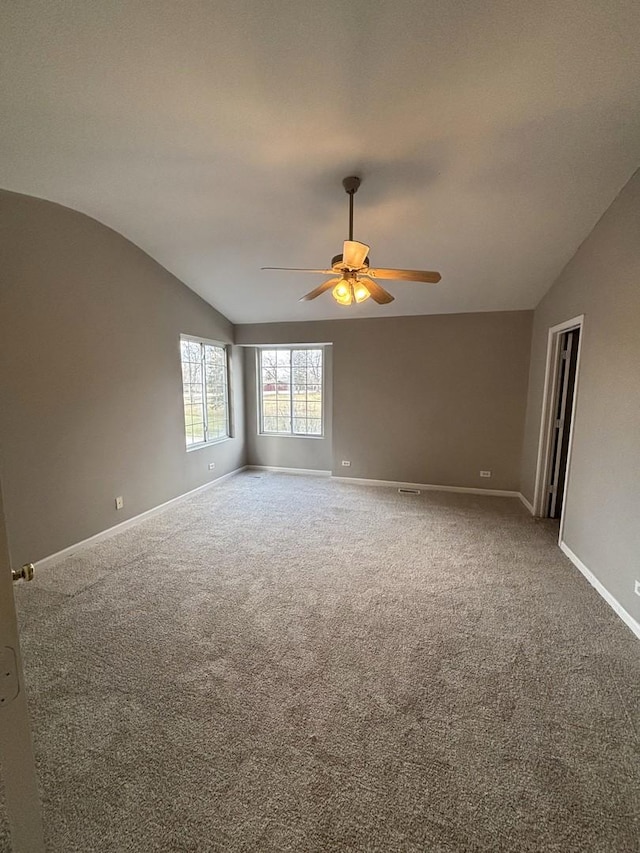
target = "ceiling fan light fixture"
x: 360, y: 292
x: 343, y: 292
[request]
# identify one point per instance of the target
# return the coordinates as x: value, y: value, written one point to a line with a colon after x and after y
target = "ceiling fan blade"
x: 299, y: 269
x: 378, y: 293
x: 406, y: 275
x: 318, y: 291
x: 354, y: 254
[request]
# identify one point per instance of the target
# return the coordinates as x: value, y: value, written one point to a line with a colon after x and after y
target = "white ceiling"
x: 490, y: 137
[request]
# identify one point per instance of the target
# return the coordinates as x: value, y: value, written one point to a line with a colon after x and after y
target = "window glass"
x: 205, y: 388
x: 291, y: 382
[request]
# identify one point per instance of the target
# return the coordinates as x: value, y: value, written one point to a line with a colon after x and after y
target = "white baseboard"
x: 130, y: 522
x: 627, y: 618
x: 528, y: 505
x: 428, y: 487
x: 314, y: 472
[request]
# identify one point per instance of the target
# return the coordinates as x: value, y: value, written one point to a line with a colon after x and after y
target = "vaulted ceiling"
x: 490, y: 137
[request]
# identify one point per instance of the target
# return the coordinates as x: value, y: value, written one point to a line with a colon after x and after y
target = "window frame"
x: 226, y: 348
x: 291, y: 348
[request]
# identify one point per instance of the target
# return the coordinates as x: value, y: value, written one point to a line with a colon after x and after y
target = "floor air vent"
x: 409, y: 491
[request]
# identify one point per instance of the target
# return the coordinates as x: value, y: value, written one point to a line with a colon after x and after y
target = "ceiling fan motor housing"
x: 337, y: 260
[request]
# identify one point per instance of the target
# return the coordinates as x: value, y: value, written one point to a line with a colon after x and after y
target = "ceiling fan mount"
x: 356, y: 280
x: 351, y: 184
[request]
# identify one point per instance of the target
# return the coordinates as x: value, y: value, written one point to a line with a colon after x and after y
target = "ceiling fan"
x: 353, y: 279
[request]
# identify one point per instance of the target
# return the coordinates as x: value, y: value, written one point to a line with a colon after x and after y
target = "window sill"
x: 206, y: 444
x: 289, y: 435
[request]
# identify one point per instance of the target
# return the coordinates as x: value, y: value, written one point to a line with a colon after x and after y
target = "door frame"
x: 547, y: 419
x: 21, y: 794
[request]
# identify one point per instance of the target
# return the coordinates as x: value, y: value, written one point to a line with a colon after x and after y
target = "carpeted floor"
x: 290, y: 663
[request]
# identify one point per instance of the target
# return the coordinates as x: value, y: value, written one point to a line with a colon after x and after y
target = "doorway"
x: 561, y: 425
x: 559, y: 404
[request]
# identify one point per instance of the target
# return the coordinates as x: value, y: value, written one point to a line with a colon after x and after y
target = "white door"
x: 22, y: 800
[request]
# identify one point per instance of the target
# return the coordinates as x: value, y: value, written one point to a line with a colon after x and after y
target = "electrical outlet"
x: 212, y: 465
x: 485, y: 473
x: 346, y: 463
x: 119, y: 502
x: 637, y: 587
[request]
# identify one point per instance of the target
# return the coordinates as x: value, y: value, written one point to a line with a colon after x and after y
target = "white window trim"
x: 261, y: 430
x: 230, y: 420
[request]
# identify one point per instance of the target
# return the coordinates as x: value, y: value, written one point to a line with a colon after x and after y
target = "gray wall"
x: 422, y: 399
x: 602, y: 282
x: 90, y: 393
x: 287, y: 451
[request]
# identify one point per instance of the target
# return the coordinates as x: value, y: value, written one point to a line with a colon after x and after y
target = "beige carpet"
x: 290, y: 663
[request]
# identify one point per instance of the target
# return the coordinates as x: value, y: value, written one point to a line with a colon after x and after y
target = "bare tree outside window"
x: 291, y: 390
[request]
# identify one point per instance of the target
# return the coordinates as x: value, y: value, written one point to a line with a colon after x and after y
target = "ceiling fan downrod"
x: 351, y: 188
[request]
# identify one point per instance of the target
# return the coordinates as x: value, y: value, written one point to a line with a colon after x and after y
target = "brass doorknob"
x: 23, y: 574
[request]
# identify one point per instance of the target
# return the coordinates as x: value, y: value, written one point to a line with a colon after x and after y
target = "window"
x: 205, y: 387
x: 291, y: 391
